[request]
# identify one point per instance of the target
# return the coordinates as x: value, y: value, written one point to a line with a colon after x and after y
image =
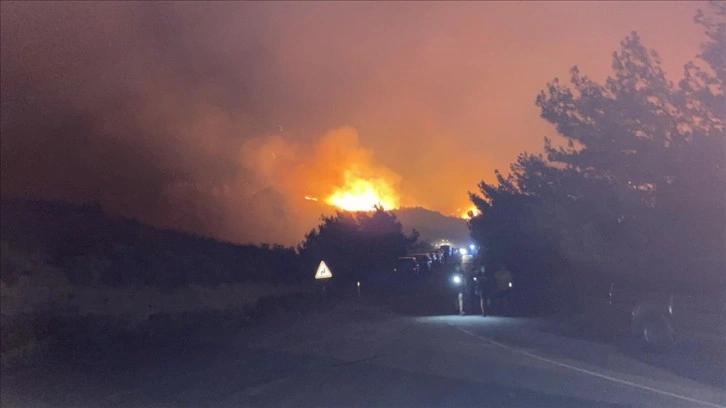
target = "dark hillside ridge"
x: 434, y: 226
x: 138, y: 254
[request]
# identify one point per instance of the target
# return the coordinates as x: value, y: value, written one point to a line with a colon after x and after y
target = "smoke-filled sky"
x: 219, y: 118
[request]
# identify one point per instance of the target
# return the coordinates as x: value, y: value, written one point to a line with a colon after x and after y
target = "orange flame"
x: 360, y: 194
x: 466, y: 215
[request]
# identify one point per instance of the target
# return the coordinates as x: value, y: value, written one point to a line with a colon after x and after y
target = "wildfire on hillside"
x: 469, y: 213
x: 361, y: 194
x: 333, y: 169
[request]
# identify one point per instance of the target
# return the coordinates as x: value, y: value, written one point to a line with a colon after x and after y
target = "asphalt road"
x: 358, y: 354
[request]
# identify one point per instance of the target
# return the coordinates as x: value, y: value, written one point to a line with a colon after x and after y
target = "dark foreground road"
x: 360, y: 355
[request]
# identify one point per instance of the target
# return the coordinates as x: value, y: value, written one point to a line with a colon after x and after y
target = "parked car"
x: 445, y: 252
x: 435, y: 256
x: 692, y: 307
x: 407, y: 265
x: 424, y: 261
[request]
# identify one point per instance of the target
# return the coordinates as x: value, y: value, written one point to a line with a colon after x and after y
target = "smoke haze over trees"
x: 638, y: 188
x: 178, y: 113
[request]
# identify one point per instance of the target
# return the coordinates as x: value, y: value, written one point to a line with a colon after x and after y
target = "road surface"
x: 359, y: 354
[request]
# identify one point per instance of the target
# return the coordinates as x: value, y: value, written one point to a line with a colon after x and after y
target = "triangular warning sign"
x: 323, y: 271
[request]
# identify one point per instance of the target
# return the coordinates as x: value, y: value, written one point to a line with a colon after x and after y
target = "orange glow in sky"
x: 259, y: 106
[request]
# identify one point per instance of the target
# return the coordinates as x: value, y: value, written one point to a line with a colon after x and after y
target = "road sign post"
x: 323, y: 272
x: 323, y: 275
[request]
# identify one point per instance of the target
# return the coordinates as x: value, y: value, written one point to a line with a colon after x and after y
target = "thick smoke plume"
x: 316, y: 170
x: 119, y: 104
x: 216, y: 118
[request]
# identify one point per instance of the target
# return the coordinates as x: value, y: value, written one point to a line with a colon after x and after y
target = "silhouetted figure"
x: 481, y: 289
x: 459, y: 280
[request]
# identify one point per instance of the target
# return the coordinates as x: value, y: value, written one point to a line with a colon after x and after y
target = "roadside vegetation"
x: 73, y: 275
x: 631, y: 190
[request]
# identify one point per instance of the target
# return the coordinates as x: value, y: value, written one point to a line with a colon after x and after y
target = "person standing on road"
x: 481, y: 289
x: 459, y: 281
x: 461, y: 299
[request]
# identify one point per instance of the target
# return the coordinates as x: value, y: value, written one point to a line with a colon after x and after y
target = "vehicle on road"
x: 691, y: 308
x: 435, y: 256
x: 406, y: 266
x: 445, y: 253
x: 424, y: 261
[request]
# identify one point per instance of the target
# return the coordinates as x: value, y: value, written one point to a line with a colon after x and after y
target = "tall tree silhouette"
x: 638, y: 186
x: 355, y: 244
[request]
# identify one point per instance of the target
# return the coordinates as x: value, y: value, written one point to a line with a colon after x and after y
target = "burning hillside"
x: 335, y: 170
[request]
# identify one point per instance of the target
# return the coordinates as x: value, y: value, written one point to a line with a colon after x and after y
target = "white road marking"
x: 466, y: 344
x: 588, y: 372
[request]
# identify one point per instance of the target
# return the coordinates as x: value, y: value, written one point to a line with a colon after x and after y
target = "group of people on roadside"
x: 484, y: 288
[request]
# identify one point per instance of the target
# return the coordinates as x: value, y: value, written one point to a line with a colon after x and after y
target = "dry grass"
x: 40, y: 291
x: 44, y: 288
x: 132, y: 304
